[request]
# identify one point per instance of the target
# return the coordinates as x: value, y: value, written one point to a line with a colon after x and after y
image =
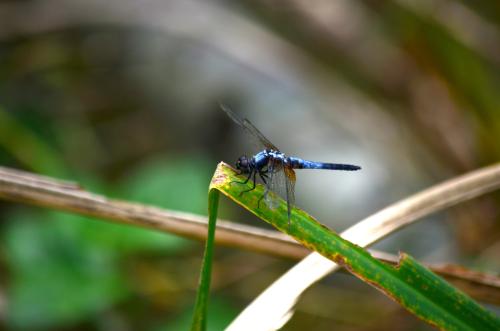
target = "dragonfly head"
x: 243, y: 164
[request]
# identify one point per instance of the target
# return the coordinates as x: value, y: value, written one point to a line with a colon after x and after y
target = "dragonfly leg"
x: 263, y: 176
x: 254, y: 183
x: 246, y: 180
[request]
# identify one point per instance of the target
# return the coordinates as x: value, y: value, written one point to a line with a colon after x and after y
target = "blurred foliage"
x: 124, y: 101
x: 59, y: 271
x: 65, y: 267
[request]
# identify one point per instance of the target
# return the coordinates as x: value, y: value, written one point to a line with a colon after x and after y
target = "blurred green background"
x: 122, y: 96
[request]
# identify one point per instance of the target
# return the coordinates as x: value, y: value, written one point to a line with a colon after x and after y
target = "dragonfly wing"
x: 282, y: 183
x: 249, y: 128
x: 270, y: 196
x: 275, y: 183
x: 290, y: 180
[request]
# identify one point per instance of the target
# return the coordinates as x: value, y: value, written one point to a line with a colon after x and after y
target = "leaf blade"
x: 201, y: 306
x: 451, y: 309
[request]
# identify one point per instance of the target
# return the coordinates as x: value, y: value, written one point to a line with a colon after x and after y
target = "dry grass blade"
x: 273, y: 307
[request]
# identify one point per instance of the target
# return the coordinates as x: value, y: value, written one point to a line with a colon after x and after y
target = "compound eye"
x: 242, y: 163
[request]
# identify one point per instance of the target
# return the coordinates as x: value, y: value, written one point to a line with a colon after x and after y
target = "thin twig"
x: 29, y: 188
x: 43, y: 191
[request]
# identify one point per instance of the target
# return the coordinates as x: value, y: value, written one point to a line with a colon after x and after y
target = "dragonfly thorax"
x: 262, y: 159
x: 259, y: 161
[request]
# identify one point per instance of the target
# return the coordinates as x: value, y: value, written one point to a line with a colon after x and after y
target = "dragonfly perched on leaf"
x: 275, y: 169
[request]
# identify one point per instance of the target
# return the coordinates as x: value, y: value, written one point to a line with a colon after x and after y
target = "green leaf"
x: 201, y: 305
x: 416, y: 288
x: 221, y: 310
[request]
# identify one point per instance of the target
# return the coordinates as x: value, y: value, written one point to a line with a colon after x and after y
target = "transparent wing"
x: 290, y: 180
x: 249, y: 128
x: 282, y: 183
x: 275, y: 184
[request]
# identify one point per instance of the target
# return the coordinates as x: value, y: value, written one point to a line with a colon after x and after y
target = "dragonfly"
x: 275, y: 169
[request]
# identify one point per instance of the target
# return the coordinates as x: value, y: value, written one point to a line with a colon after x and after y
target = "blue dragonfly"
x: 275, y: 169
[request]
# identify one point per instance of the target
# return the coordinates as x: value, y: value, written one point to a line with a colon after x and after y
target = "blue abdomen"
x: 304, y: 164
